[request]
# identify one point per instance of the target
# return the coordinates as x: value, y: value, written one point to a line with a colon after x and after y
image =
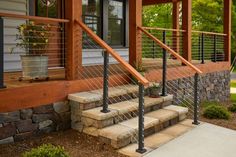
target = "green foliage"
x: 232, y: 108
x: 216, y: 112
x: 47, y: 150
x: 233, y: 84
x: 210, y: 103
x: 233, y: 97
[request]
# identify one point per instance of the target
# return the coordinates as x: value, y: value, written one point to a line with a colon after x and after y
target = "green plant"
x: 46, y: 150
x: 210, y: 103
x: 216, y: 112
x: 232, y: 108
x: 33, y: 38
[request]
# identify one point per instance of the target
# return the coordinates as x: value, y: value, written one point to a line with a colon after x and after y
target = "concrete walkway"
x: 233, y: 90
x: 205, y: 140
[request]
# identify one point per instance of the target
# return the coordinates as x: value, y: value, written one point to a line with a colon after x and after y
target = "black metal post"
x: 1, y: 53
x: 105, y: 83
x: 141, y: 148
x: 202, y: 51
x: 215, y: 57
x: 196, y: 105
x: 153, y: 49
x: 164, y: 66
x: 199, y: 47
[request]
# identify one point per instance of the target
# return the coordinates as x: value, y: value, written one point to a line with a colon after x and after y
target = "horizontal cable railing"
x: 113, y: 75
x: 34, y: 48
x: 171, y: 37
x: 180, y: 81
x: 207, y: 47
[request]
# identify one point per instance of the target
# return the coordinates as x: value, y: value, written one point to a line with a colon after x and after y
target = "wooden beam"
x: 227, y: 29
x: 175, y: 20
x: 153, y: 2
x: 73, y: 10
x: 187, y: 26
x: 34, y: 95
x: 135, y: 36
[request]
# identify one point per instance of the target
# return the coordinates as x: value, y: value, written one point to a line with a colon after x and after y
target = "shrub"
x: 46, y: 150
x: 210, y: 103
x: 232, y: 108
x: 216, y: 112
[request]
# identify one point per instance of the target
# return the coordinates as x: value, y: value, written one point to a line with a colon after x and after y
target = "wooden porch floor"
x: 11, y: 79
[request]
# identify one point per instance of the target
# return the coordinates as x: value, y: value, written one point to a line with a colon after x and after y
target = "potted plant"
x: 34, y: 40
x: 154, y: 90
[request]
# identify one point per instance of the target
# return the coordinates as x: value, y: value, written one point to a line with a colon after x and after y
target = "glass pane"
x: 115, y: 23
x: 47, y: 8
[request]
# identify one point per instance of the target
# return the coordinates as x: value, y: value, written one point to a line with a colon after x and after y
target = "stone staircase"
x: 119, y: 128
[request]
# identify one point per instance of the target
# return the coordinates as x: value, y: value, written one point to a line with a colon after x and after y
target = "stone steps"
x: 121, y: 111
x: 124, y: 133
x: 156, y: 140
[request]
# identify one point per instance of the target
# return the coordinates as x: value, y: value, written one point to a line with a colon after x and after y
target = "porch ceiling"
x: 151, y: 2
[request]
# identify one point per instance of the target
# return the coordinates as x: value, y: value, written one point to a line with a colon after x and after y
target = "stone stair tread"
x: 133, y: 123
x: 85, y: 97
x: 96, y: 114
x: 126, y: 128
x: 124, y: 106
x: 162, y: 114
x: 112, y: 92
x: 156, y: 140
x: 96, y: 95
x: 179, y: 109
x: 120, y: 108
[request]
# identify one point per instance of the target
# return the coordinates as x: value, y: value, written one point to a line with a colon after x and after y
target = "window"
x: 92, y: 15
x: 107, y: 19
x: 115, y: 23
x: 47, y: 8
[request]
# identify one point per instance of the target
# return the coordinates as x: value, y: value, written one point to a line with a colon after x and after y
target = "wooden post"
x: 187, y: 26
x: 227, y: 29
x: 175, y: 18
x: 135, y: 36
x: 73, y: 10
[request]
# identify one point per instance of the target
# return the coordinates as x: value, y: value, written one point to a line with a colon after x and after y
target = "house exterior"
x: 101, y: 44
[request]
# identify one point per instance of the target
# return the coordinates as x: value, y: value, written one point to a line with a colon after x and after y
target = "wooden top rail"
x: 36, y: 18
x: 162, y: 45
x: 163, y: 29
x: 112, y: 52
x: 209, y: 33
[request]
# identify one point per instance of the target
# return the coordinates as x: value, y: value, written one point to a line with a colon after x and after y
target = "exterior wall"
x: 95, y: 56
x: 21, y: 124
x: 12, y: 61
x: 213, y: 86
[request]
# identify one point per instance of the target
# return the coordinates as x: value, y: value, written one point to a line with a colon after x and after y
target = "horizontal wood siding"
x: 12, y: 61
x: 95, y: 56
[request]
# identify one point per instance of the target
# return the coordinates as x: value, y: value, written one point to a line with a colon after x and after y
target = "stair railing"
x: 141, y: 80
x: 197, y: 71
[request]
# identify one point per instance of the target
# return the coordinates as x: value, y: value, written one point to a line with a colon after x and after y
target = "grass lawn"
x: 233, y: 84
x: 233, y: 97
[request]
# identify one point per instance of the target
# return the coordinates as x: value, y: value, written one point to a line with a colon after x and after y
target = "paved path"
x: 233, y: 90
x: 204, y: 141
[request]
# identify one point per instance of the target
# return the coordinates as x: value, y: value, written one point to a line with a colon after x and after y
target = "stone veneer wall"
x: 21, y: 124
x: 212, y: 87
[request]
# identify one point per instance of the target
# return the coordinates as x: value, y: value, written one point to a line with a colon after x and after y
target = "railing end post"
x: 196, y: 105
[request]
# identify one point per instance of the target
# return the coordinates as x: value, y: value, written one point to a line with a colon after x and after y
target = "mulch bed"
x: 230, y: 124
x: 76, y: 144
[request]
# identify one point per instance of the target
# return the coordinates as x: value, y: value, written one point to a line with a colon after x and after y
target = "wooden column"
x: 135, y: 36
x: 187, y: 26
x: 227, y: 29
x: 73, y: 10
x: 175, y: 20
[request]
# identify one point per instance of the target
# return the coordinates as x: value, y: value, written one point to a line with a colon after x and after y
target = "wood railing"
x: 168, y: 49
x: 35, y: 18
x: 113, y: 53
